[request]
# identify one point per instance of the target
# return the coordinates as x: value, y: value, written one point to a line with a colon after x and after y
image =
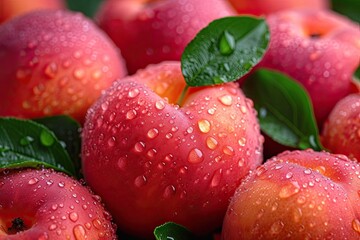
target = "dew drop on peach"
x: 169, y: 191
x: 195, y: 156
x: 204, y: 125
x: 133, y: 93
x: 96, y: 223
x: 215, y: 181
x: 276, y: 227
x: 131, y: 114
x: 79, y: 232
x: 73, y: 216
x: 289, y: 190
x: 226, y: 100
x: 297, y: 214
x: 140, y: 181
x: 356, y: 225
x: 160, y: 105
x: 228, y: 150
x: 33, y: 181
x: 211, y: 143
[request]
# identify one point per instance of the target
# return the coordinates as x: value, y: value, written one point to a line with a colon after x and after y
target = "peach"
x: 297, y: 195
x: 265, y: 7
x: 54, y: 62
x: 153, y: 161
x: 341, y: 133
x: 319, y: 49
x: 151, y: 31
x: 44, y: 204
x: 12, y: 8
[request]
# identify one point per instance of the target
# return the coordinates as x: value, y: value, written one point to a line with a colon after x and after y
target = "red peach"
x: 54, y: 62
x: 44, y: 204
x: 12, y: 8
x: 297, y: 195
x: 151, y: 31
x: 153, y: 161
x: 320, y: 49
x: 341, y: 133
x: 264, y: 7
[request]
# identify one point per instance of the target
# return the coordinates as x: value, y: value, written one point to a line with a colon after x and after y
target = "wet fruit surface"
x: 149, y: 32
x: 298, y: 194
x: 44, y: 204
x: 320, y: 49
x: 54, y: 62
x: 341, y: 133
x: 185, y: 160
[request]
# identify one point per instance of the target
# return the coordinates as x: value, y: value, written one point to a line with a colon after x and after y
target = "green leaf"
x: 349, y: 8
x: 87, y: 7
x: 25, y: 143
x: 357, y: 74
x: 225, y: 50
x: 284, y: 109
x: 67, y: 130
x: 172, y: 231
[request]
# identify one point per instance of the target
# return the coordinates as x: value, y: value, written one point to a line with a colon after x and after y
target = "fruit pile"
x: 175, y: 119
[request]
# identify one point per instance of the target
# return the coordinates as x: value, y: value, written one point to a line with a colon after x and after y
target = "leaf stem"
x: 182, y: 96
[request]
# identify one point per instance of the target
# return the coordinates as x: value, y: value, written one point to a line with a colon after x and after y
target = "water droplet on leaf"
x: 46, y: 138
x: 226, y: 43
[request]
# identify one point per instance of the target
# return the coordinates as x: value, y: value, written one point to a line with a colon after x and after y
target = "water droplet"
x: 26, y: 140
x: 195, y: 156
x: 79, y: 232
x: 243, y: 109
x: 211, y: 111
x: 242, y: 141
x: 215, y: 181
x: 61, y: 184
x: 356, y: 225
x: 297, y: 214
x: 276, y: 227
x: 111, y: 142
x: 79, y: 73
x: 241, y: 162
x: 139, y: 147
x: 151, y: 153
x: 320, y: 169
x: 32, y: 181
x: 96, y: 75
x: 140, y: 181
x: 73, y: 216
x: 152, y: 133
x: 228, y: 150
x: 52, y: 227
x: 307, y: 171
x: 227, y: 43
x: 211, y: 143
x: 54, y: 207
x: 226, y: 100
x: 88, y: 225
x: 289, y: 189
x: 204, y: 125
x: 133, y: 93
x: 51, y: 70
x: 189, y: 130
x: 46, y: 138
x: 122, y: 162
x: 104, y: 106
x: 131, y: 114
x: 159, y: 105
x: 289, y: 175
x: 97, y: 223
x: 169, y: 191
